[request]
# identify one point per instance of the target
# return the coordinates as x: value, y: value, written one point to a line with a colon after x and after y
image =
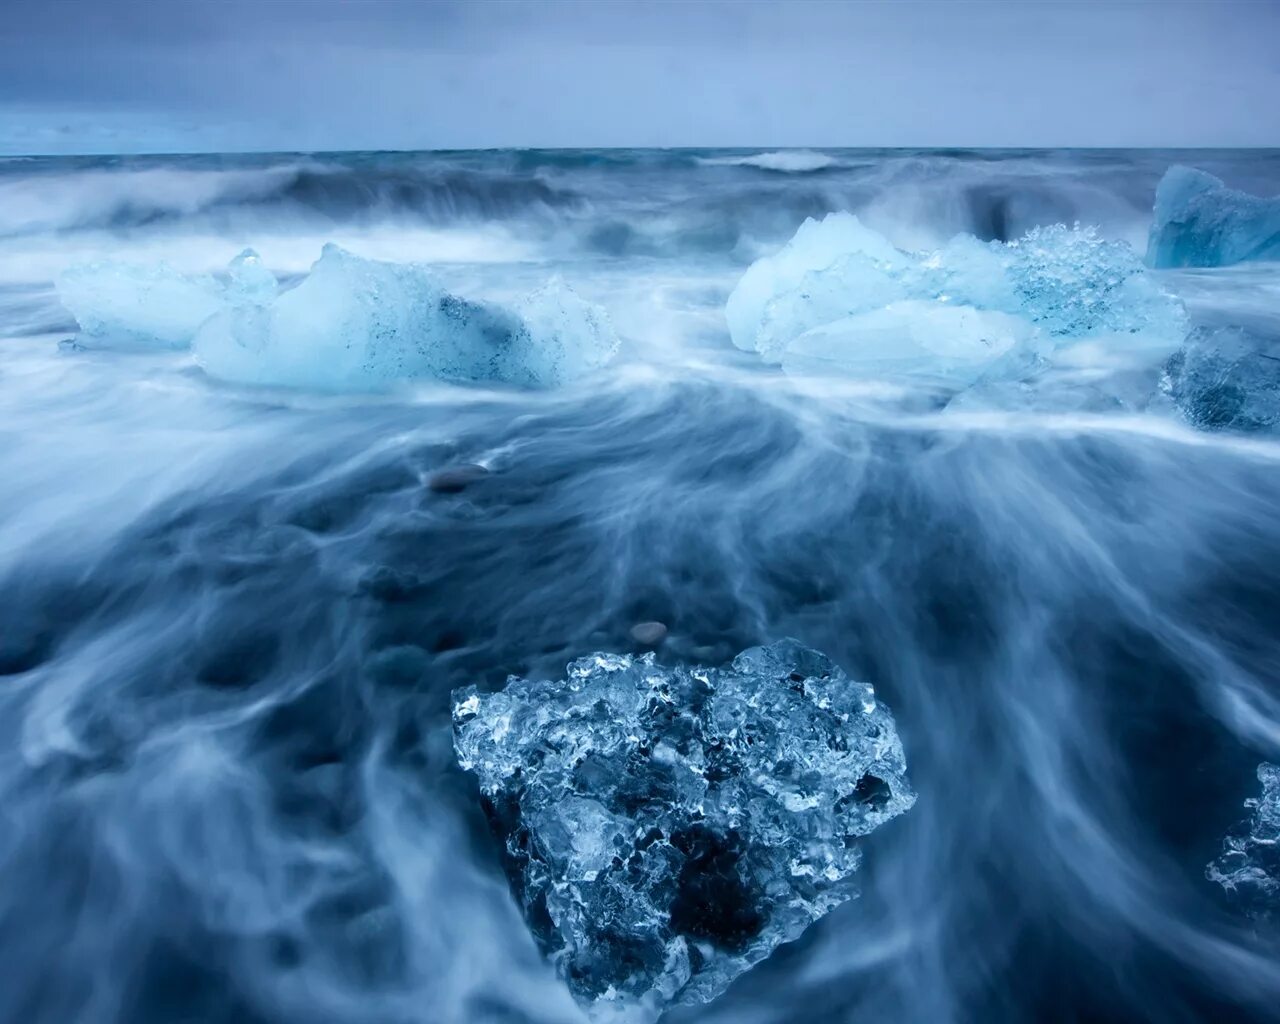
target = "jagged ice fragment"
x: 1199, y: 222
x: 663, y: 829
x: 1249, y: 866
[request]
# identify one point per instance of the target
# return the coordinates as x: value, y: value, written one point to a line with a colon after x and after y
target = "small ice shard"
x: 1199, y: 222
x: 664, y: 829
x: 1226, y: 378
x: 124, y: 305
x: 839, y: 297
x: 1249, y: 866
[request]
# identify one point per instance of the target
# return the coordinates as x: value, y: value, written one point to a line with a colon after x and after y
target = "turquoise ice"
x: 839, y: 297
x: 1199, y: 222
x: 351, y: 324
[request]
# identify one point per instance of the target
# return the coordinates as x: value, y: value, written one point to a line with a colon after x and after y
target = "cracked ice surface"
x: 1249, y: 866
x: 666, y: 828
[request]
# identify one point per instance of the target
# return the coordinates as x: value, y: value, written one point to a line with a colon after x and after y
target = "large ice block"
x: 663, y: 829
x: 863, y: 307
x: 360, y: 324
x: 1199, y: 222
x: 349, y: 324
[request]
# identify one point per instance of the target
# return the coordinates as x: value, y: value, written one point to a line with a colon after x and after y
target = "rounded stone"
x: 649, y: 633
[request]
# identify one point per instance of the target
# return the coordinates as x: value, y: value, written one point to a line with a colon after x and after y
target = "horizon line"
x: 754, y: 148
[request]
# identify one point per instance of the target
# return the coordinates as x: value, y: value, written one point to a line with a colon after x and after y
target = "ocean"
x: 233, y: 615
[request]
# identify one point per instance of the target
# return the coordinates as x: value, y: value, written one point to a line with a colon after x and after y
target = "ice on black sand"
x: 664, y: 829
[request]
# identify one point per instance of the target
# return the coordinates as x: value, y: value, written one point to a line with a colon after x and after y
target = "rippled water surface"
x: 232, y: 617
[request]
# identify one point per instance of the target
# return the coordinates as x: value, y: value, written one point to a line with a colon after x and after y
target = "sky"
x: 96, y: 76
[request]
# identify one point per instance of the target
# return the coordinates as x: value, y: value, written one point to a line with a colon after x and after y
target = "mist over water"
x: 233, y: 616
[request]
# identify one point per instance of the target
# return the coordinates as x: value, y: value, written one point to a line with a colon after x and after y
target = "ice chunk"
x: 952, y: 346
x: 355, y: 323
x: 1199, y: 222
x: 852, y: 285
x: 1226, y: 378
x: 666, y: 828
x: 130, y: 306
x: 350, y: 324
x: 561, y: 337
x: 868, y: 307
x: 1249, y: 867
x: 1074, y: 284
x: 816, y: 246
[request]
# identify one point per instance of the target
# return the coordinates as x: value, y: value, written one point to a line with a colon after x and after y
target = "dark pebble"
x: 455, y: 479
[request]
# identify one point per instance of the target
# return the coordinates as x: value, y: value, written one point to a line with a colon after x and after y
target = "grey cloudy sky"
x: 129, y: 75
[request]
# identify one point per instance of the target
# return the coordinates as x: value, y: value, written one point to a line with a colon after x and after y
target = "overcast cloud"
x: 343, y: 74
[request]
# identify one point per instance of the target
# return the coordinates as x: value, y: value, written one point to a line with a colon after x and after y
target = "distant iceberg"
x: 1199, y: 222
x: 840, y: 297
x: 350, y: 324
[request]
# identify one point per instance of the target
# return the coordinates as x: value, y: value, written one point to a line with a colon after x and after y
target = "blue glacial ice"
x: 1199, y: 222
x: 1226, y: 378
x: 840, y: 297
x: 360, y: 323
x: 816, y: 246
x: 349, y: 324
x: 952, y: 346
x: 664, y: 829
x: 128, y: 305
x: 1249, y: 866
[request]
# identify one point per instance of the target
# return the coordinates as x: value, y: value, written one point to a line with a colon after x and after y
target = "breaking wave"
x: 788, y: 161
x: 613, y: 202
